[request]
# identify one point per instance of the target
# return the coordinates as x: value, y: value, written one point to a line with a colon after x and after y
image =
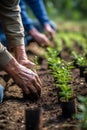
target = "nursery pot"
x: 85, y: 76
x: 82, y: 128
x: 75, y: 63
x: 33, y: 119
x: 58, y: 90
x: 68, y: 108
x: 82, y: 68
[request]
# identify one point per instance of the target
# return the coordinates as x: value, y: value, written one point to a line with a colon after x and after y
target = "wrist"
x: 33, y: 32
x: 20, y: 53
x: 11, y: 67
x: 46, y: 26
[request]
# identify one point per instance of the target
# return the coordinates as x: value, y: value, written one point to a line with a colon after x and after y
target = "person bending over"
x: 34, y: 28
x: 18, y: 67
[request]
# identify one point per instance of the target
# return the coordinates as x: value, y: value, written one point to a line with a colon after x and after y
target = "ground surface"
x: 13, y: 109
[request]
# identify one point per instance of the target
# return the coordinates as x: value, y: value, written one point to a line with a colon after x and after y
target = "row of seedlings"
x: 80, y: 61
x: 61, y: 70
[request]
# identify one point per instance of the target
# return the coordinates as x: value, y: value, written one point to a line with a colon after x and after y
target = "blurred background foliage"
x: 67, y: 9
x: 68, y: 14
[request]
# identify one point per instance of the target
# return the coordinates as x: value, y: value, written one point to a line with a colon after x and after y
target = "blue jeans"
x: 27, y: 37
x: 1, y: 93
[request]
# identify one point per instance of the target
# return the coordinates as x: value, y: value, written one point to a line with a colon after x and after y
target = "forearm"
x: 5, y: 56
x: 10, y: 16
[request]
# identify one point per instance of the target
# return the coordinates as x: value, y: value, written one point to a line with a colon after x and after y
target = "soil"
x: 13, y: 109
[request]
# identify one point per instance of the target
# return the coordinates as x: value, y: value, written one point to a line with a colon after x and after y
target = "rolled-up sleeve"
x: 12, y: 23
x: 5, y: 56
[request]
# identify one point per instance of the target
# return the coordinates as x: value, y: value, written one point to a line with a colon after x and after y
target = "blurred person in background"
x: 18, y: 67
x: 34, y: 28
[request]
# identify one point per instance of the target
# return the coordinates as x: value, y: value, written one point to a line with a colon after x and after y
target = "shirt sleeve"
x: 5, y: 56
x: 12, y: 23
x: 27, y: 22
x: 39, y: 10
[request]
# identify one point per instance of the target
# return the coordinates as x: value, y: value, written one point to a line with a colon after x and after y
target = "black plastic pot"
x: 85, y: 76
x: 75, y: 63
x: 82, y: 68
x: 83, y: 128
x: 68, y: 108
x: 33, y: 119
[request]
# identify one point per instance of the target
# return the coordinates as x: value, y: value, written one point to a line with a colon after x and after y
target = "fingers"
x: 34, y: 85
x: 43, y: 41
x: 28, y: 64
x: 52, y: 34
x: 31, y: 64
x: 38, y: 80
x: 33, y: 91
x: 46, y: 41
x: 26, y: 90
x: 37, y: 86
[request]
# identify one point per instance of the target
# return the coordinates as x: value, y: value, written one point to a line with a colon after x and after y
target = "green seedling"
x: 80, y: 59
x: 66, y: 92
x: 51, y: 52
x: 61, y: 70
x: 36, y: 63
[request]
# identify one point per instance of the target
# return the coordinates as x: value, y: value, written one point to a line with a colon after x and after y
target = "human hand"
x: 21, y: 57
x: 49, y: 31
x: 25, y: 78
x: 40, y: 38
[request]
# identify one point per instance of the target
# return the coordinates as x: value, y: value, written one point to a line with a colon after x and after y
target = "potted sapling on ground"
x: 62, y: 74
x: 66, y: 96
x: 67, y: 101
x: 80, y: 62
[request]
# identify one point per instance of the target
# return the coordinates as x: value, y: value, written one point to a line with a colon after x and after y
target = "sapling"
x: 36, y: 63
x: 66, y: 93
x: 63, y: 76
x: 51, y: 52
x: 61, y: 70
x: 80, y: 59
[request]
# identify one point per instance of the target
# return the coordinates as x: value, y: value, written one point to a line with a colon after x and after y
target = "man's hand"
x: 21, y: 57
x: 49, y: 31
x: 41, y: 39
x: 25, y: 78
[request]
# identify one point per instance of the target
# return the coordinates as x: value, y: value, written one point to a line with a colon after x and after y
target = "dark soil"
x: 13, y: 109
